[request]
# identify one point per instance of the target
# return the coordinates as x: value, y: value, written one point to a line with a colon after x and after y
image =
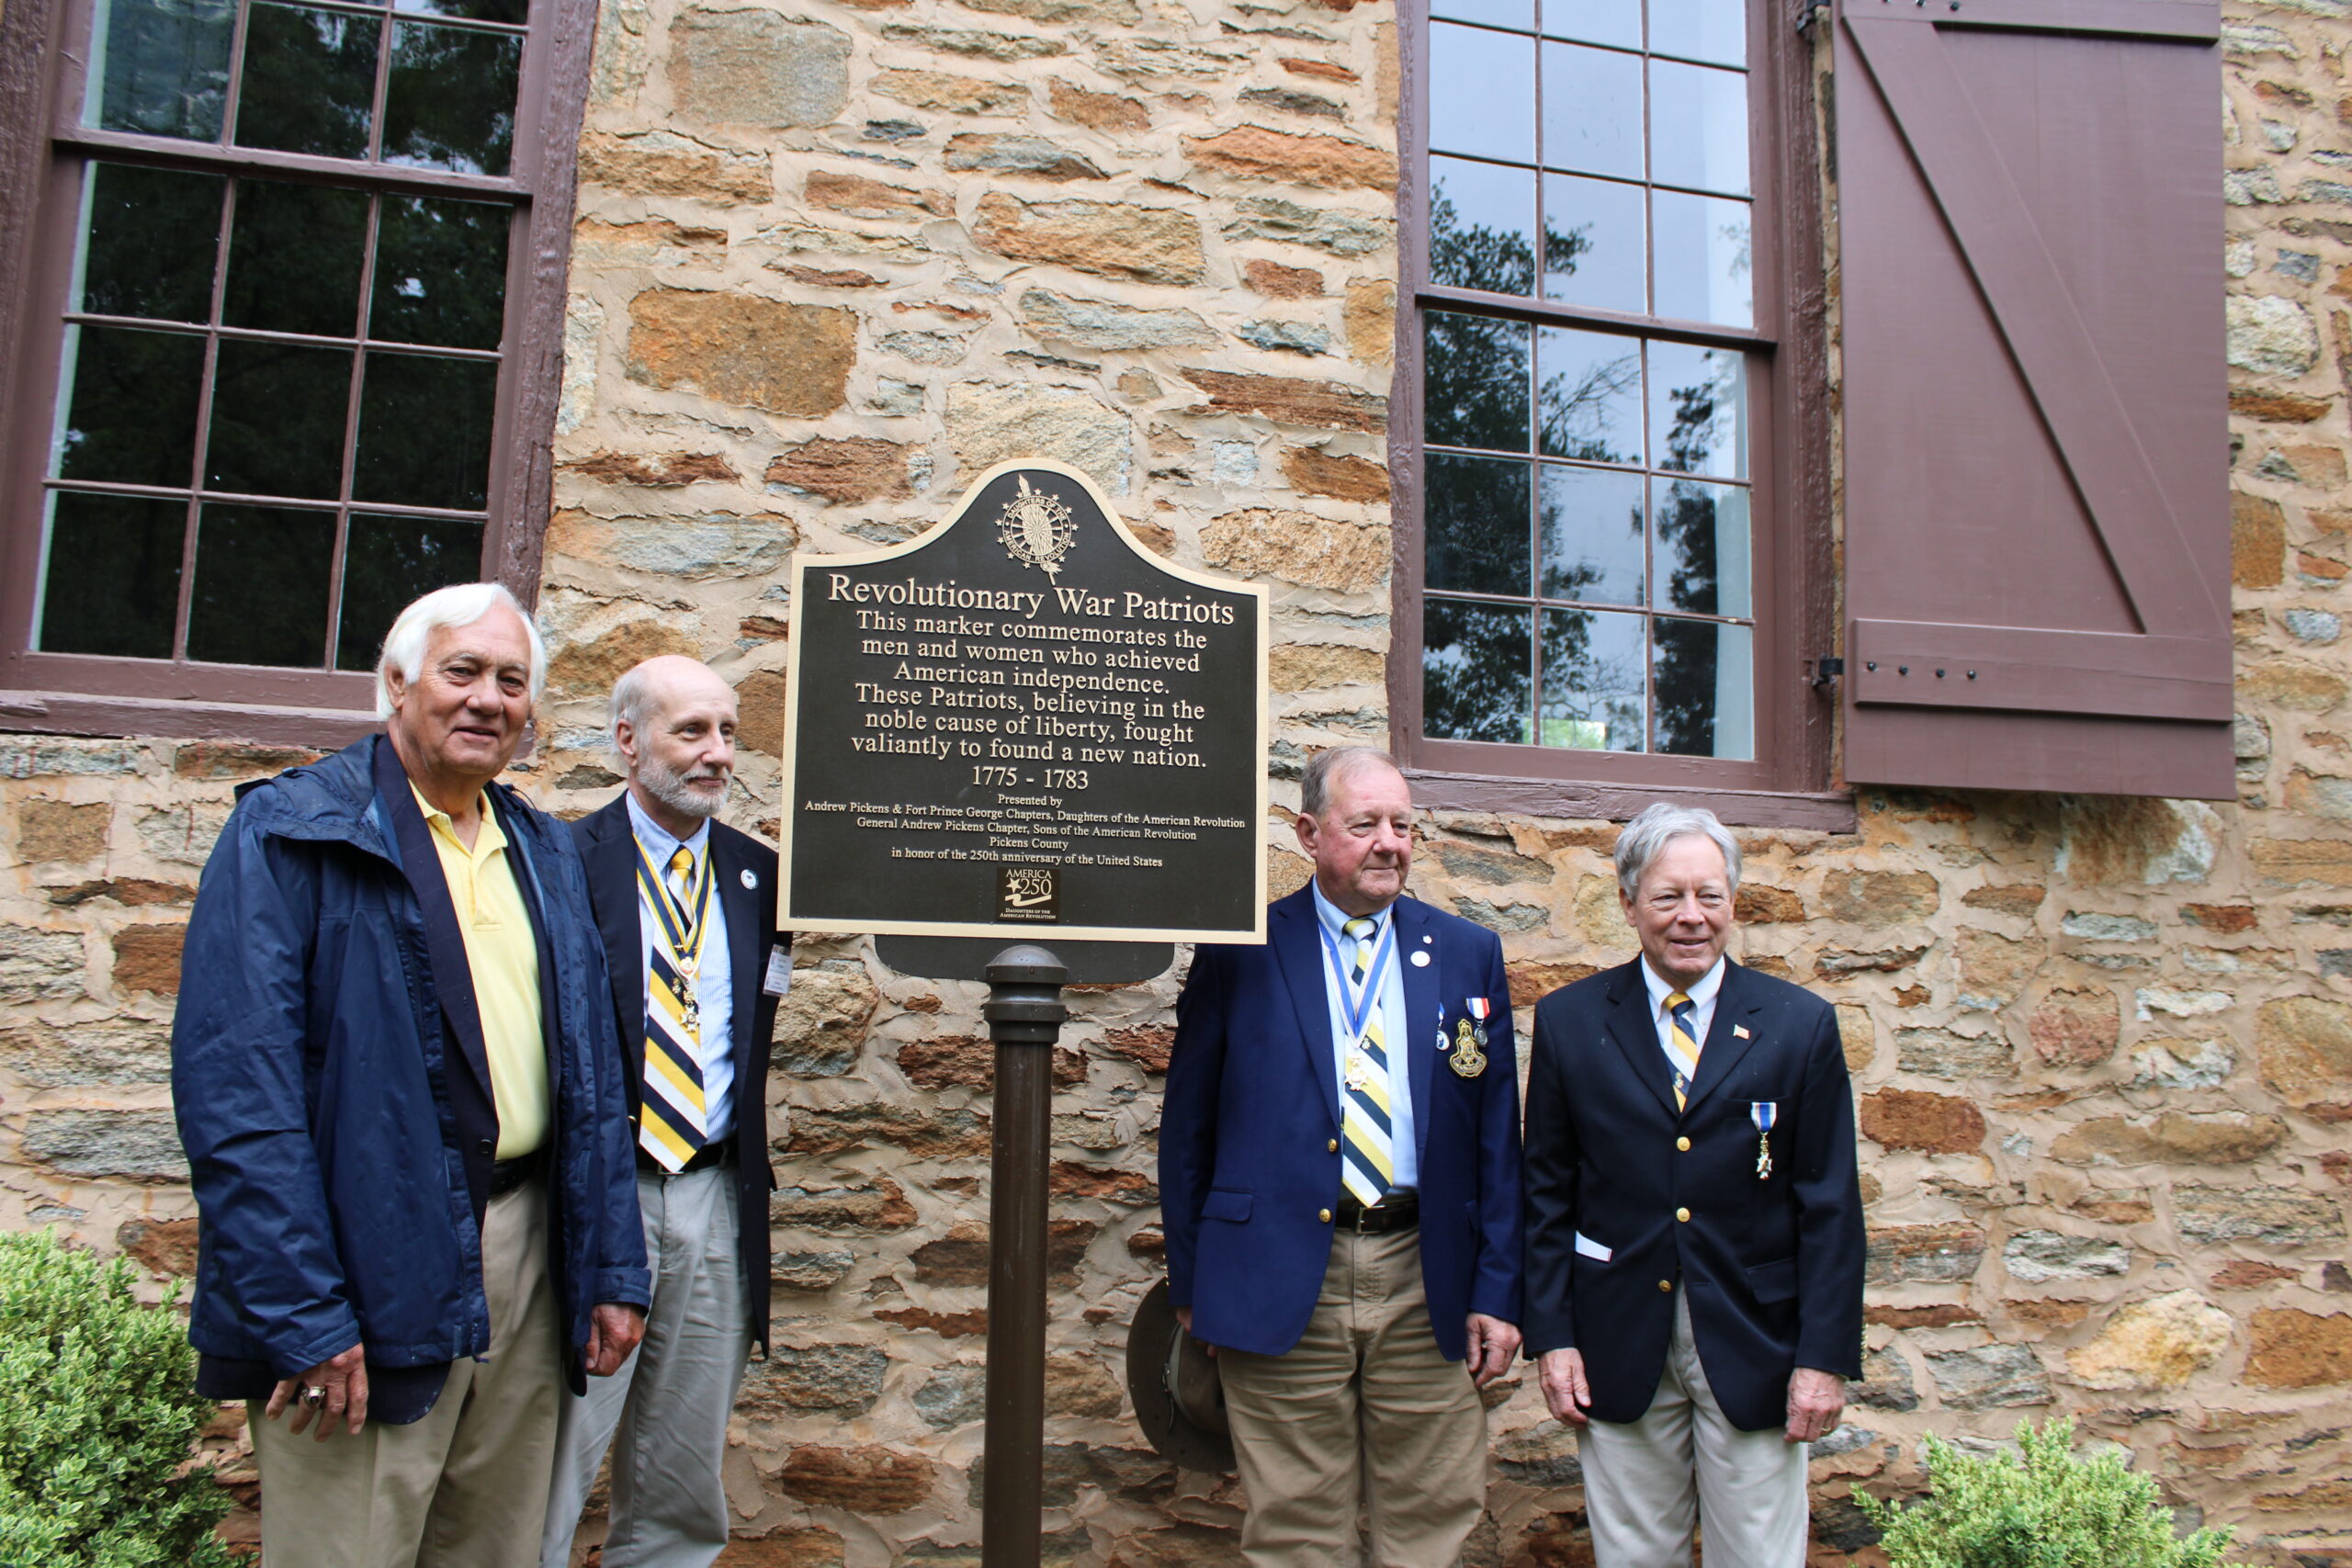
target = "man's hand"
x: 1493, y: 1343
x: 614, y: 1330
x: 1564, y: 1390
x: 1185, y: 1321
x: 1815, y: 1401
x: 344, y: 1379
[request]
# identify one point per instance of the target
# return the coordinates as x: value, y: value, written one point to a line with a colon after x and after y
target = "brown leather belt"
x: 1397, y: 1212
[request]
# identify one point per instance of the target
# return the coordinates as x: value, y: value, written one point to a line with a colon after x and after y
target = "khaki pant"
x: 1647, y: 1482
x: 1362, y: 1406
x: 669, y: 1402
x: 467, y: 1485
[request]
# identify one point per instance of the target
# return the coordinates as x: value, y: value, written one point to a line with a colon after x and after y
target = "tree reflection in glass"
x: 1592, y: 681
x: 1475, y: 382
x: 1482, y: 227
x: 1475, y: 665
x: 1703, y: 677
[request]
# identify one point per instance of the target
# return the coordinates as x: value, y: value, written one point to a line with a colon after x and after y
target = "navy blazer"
x: 1773, y: 1267
x: 1249, y: 1131
x: 608, y: 849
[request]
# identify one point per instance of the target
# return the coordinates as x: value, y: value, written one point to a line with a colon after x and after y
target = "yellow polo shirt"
x: 504, y: 958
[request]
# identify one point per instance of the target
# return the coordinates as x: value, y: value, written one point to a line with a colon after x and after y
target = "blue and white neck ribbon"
x: 1764, y: 1114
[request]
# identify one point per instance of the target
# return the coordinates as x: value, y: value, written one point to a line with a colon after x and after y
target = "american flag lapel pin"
x: 1740, y: 1032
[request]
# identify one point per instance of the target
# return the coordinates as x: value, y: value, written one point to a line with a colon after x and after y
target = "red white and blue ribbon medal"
x: 1764, y: 1114
x: 1469, y: 1056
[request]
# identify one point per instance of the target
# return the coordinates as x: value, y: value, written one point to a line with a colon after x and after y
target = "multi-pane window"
x: 1587, y: 315
x: 276, y: 415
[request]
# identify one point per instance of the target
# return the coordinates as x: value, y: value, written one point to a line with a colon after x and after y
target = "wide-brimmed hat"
x: 1172, y: 1380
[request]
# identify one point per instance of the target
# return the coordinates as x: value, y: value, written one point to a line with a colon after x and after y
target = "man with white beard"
x: 686, y: 908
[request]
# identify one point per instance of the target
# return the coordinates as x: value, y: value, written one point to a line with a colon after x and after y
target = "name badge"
x: 778, y: 979
x: 1587, y: 1248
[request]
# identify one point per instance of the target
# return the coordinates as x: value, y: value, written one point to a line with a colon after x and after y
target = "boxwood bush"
x: 98, y: 1420
x: 2045, y: 1506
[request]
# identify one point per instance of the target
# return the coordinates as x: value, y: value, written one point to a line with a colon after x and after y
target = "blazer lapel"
x: 1636, y: 1033
x: 1423, y: 1002
x: 1298, y: 952
x: 1728, y: 1039
x: 740, y: 904
x: 612, y: 887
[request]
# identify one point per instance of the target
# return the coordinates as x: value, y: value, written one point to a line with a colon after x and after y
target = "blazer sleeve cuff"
x: 1835, y: 1354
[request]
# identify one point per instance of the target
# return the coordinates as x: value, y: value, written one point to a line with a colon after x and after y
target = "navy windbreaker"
x: 310, y: 1076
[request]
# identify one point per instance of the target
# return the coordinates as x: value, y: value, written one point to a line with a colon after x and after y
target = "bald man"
x: 685, y: 905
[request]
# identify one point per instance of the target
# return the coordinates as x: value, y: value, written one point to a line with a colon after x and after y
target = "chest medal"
x: 1466, y: 1058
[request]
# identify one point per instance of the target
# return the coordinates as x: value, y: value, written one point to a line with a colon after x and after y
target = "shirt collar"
x: 488, y: 836
x: 1702, y: 995
x: 658, y: 842
x: 1335, y: 920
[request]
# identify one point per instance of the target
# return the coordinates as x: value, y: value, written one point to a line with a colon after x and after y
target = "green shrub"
x: 99, y: 1416
x: 2050, y: 1508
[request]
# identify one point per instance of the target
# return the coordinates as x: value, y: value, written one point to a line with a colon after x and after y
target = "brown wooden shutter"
x: 2036, y: 433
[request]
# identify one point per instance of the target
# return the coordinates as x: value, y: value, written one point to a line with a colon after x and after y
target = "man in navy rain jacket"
x: 395, y: 1073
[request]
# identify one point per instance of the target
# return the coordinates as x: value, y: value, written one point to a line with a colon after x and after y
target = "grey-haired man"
x: 1694, y: 1234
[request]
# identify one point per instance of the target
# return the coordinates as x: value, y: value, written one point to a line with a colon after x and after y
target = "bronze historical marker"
x: 1025, y: 725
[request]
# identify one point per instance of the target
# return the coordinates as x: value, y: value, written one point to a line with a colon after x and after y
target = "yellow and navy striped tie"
x: 674, y: 1124
x: 1368, y: 1164
x: 1684, y: 1015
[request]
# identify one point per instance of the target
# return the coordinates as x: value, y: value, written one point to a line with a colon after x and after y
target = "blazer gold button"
x: 1682, y: 1143
x: 1666, y: 1285
x: 1331, y: 1147
x: 1682, y: 1214
x: 1323, y: 1214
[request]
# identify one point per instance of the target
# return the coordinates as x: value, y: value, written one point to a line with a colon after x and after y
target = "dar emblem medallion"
x: 1037, y: 529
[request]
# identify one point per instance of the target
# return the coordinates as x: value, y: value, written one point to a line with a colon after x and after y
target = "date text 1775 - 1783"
x: 1025, y: 721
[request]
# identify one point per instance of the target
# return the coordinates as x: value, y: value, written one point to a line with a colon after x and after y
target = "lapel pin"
x: 751, y: 879
x: 1420, y: 961
x: 1739, y: 1031
x: 1427, y: 939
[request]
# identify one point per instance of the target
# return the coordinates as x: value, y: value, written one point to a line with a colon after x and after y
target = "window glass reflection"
x: 1592, y: 111
x: 1476, y: 664
x: 450, y: 100
x: 1699, y: 127
x: 1482, y: 226
x: 1614, y: 22
x: 1476, y: 523
x: 277, y: 420
x: 424, y: 427
x: 389, y: 561
x: 295, y: 254
x: 1700, y: 549
x: 1593, y: 250
x: 151, y: 243
x: 1698, y: 406
x: 1475, y: 382
x: 1593, y: 682
x: 261, y: 586
x: 125, y: 609
x: 1588, y: 395
x: 130, y: 410
x: 1713, y: 30
x: 310, y: 80
x: 440, y: 273
x: 162, y: 67
x: 1703, y: 259
x: 1591, y: 528
x: 1704, y: 679
x: 1482, y: 92
x: 512, y: 11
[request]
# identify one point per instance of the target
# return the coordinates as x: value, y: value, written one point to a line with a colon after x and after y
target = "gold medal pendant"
x: 1359, y: 1073
x: 1764, y: 1156
x: 1467, y: 1059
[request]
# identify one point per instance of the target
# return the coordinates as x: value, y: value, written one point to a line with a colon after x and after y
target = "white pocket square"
x: 1587, y: 1248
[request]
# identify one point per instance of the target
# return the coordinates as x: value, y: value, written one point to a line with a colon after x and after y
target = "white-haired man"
x: 396, y: 1075
x: 687, y: 908
x: 1694, y: 1220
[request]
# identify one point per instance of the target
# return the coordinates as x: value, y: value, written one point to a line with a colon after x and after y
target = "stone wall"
x: 832, y: 260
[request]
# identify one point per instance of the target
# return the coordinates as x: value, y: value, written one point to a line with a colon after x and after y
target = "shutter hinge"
x: 1824, y: 671
x: 1808, y: 12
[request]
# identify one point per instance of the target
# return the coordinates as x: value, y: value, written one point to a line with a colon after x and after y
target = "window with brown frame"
x: 281, y: 360
x: 1602, y: 579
